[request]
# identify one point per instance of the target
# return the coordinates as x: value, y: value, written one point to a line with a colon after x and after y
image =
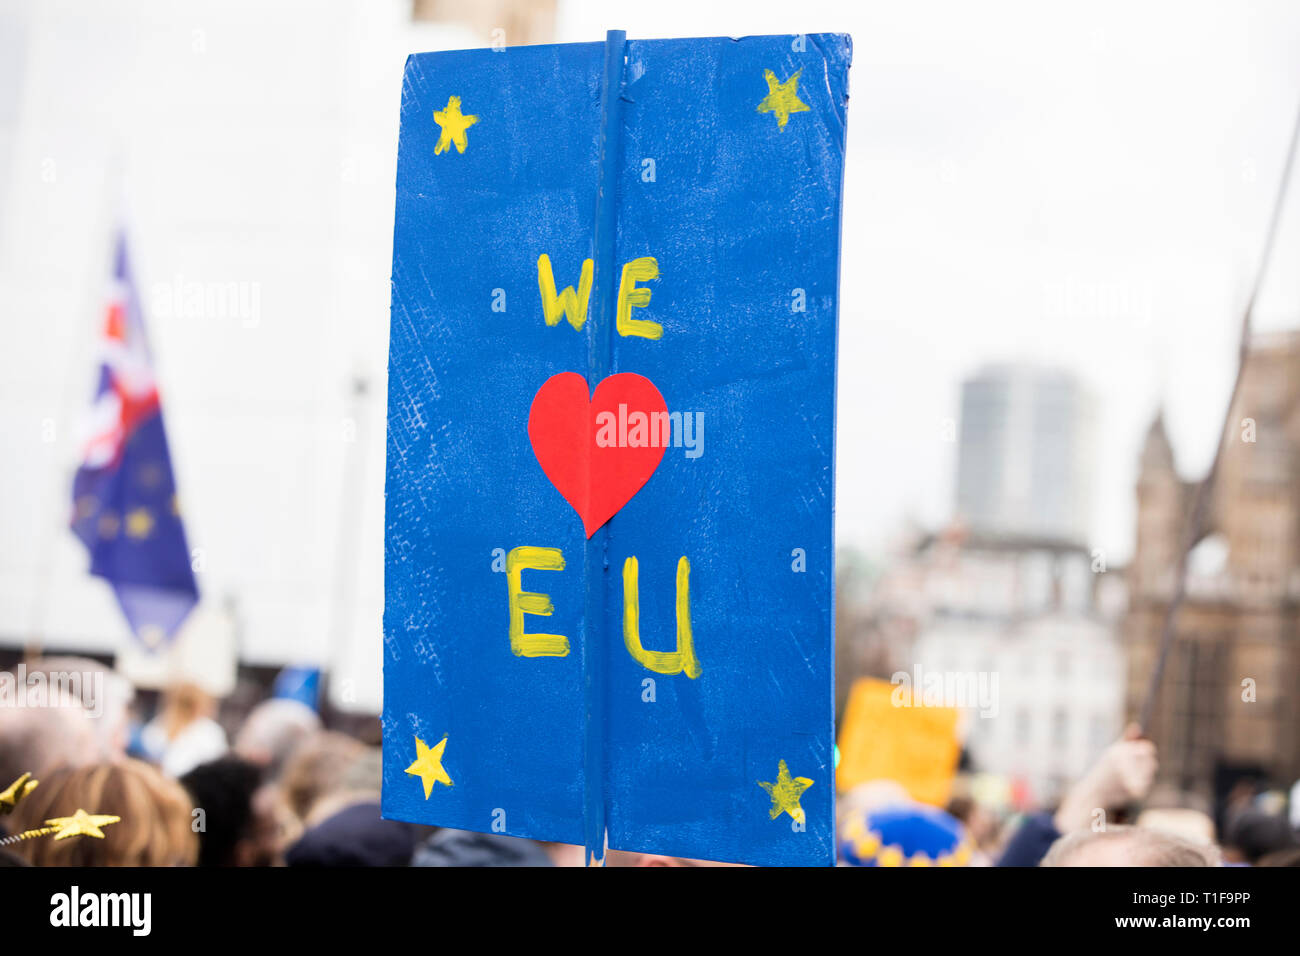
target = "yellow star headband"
x: 80, y: 823
x: 15, y: 792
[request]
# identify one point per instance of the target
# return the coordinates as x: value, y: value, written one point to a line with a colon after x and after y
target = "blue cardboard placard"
x: 612, y: 624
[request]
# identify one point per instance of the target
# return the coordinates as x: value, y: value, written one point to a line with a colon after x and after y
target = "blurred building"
x: 1030, y: 620
x: 1230, y: 703
x: 1024, y: 454
x: 1008, y: 598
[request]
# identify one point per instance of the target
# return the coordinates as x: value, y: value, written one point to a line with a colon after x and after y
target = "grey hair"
x: 1145, y: 847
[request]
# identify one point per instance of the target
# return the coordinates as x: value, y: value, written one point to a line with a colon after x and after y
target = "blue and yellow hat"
x: 905, y: 835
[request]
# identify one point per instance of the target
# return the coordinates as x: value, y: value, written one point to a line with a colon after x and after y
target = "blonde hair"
x: 319, y: 766
x: 154, y: 830
x: 183, y: 704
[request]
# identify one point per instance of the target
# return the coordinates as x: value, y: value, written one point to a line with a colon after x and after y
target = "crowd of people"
x: 282, y: 789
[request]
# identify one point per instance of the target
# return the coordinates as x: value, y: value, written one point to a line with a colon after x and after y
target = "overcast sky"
x: 1084, y: 185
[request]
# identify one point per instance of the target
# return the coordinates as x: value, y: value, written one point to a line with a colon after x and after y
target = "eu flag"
x: 124, y: 496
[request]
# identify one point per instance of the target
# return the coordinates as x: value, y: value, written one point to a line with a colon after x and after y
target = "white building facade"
x: 1034, y: 624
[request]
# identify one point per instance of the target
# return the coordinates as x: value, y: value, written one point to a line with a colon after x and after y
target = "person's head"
x: 105, y: 694
x: 238, y: 828
x: 182, y: 704
x: 154, y: 829
x: 1127, y: 846
x: 358, y: 835
x: 1192, y: 825
x: 271, y: 732
x: 36, y: 740
x: 1181, y: 812
x: 358, y: 782
x: 1252, y: 834
x: 319, y: 766
x: 1289, y: 857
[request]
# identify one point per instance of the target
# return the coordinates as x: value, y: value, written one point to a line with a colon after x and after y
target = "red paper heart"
x: 596, y: 478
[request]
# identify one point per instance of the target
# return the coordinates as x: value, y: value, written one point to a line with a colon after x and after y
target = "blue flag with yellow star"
x: 611, y: 432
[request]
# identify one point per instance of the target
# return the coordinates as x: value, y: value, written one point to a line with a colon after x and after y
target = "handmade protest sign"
x: 888, y: 735
x: 611, y: 400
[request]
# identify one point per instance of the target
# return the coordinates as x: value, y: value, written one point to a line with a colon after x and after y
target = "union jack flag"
x: 125, y: 508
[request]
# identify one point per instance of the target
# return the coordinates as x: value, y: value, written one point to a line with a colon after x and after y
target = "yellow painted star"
x: 428, y: 765
x: 785, y: 793
x: 16, y: 791
x: 782, y: 98
x: 139, y: 523
x: 453, y: 123
x: 81, y: 823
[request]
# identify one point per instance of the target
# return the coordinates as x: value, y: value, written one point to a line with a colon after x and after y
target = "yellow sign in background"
x: 916, y: 746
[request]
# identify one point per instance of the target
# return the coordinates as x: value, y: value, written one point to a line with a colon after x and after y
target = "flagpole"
x: 351, y: 511
x: 71, y: 392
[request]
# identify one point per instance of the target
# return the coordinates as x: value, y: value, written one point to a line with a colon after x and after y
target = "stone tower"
x: 1230, y: 702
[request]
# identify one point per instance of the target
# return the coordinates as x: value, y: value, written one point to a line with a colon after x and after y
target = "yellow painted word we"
x: 572, y: 305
